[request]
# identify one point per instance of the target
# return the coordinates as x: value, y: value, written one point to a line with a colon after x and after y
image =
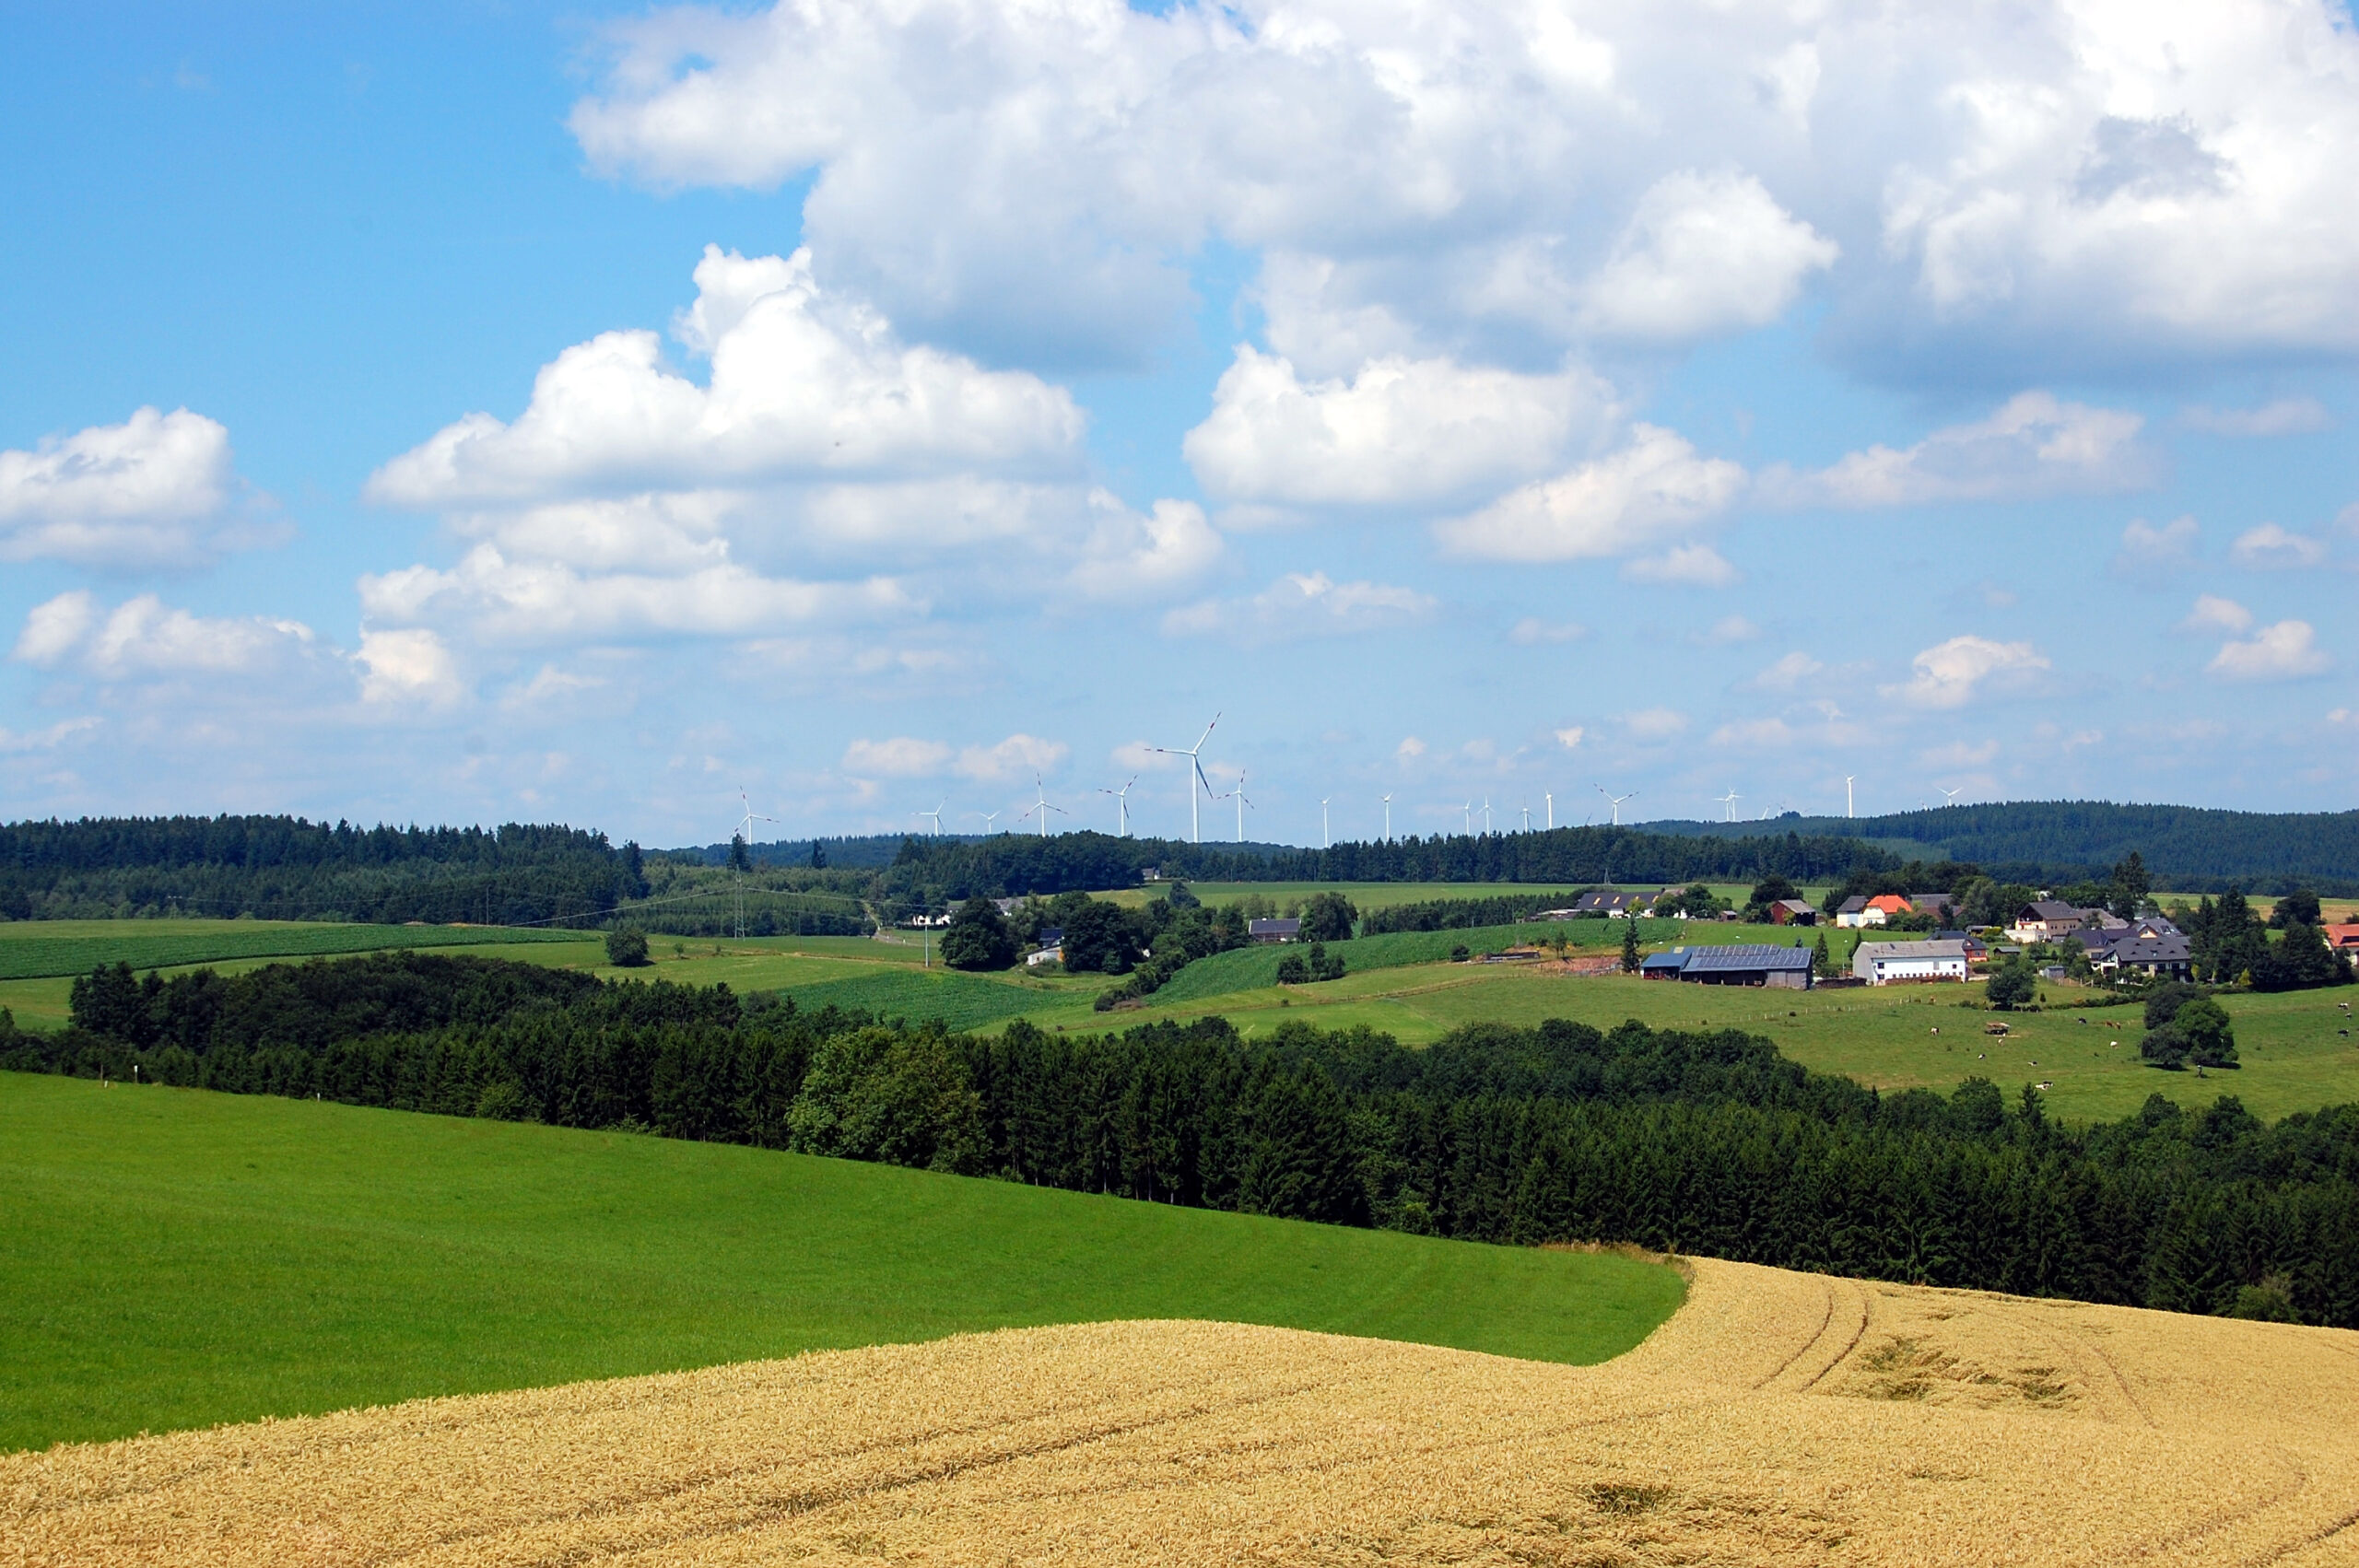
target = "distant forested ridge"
x: 1011, y: 864
x: 2187, y: 848
x: 284, y: 868
x: 1707, y: 1143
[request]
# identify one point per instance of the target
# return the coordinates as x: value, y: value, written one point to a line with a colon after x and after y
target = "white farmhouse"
x: 1887, y: 963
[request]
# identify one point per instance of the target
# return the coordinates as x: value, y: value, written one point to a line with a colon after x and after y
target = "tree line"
x: 934, y: 873
x: 1708, y: 1143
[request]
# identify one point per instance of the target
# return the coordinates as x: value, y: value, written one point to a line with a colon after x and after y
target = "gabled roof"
x: 2145, y: 950
x: 1890, y: 903
x: 1286, y: 926
x: 1676, y: 958
x: 1932, y: 903
x: 2052, y: 909
x: 1871, y: 951
x: 1852, y: 905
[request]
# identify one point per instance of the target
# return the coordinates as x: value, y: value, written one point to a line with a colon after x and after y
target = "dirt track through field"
x: 1778, y: 1418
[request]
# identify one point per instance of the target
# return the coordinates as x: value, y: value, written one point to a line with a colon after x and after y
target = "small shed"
x: 1664, y: 966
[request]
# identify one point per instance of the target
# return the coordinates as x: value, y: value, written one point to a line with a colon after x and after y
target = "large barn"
x: 1750, y: 966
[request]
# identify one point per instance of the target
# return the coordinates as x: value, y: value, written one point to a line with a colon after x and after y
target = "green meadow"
x: 2295, y: 1055
x: 172, y: 1259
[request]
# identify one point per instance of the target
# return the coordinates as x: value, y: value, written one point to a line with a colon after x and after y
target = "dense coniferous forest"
x: 2188, y: 848
x: 1706, y: 1143
x: 282, y: 868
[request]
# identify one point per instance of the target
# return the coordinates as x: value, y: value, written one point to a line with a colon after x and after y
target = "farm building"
x: 1286, y: 929
x: 1750, y: 966
x: 1664, y: 966
x: 1792, y: 912
x: 1889, y: 962
x: 2343, y: 939
x: 1942, y: 906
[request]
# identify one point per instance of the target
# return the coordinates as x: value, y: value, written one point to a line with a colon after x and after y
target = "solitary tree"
x: 626, y: 948
x: 1630, y: 947
x: 978, y: 938
x: 2012, y: 984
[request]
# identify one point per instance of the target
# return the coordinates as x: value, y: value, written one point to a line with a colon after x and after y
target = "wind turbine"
x: 1326, y: 839
x: 1616, y: 801
x: 745, y: 834
x: 1469, y: 810
x: 1388, y: 819
x: 1949, y: 797
x: 988, y: 818
x: 1487, y: 816
x: 1527, y: 814
x: 1551, y: 810
x: 1196, y: 777
x: 1121, y: 798
x: 1242, y: 803
x: 1729, y: 800
x: 1042, y: 807
x: 1846, y: 797
x: 936, y: 814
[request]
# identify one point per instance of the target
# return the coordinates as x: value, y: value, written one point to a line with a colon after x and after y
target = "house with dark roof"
x: 1753, y: 965
x: 2128, y: 952
x: 1612, y: 903
x: 1942, y: 906
x: 1286, y: 929
x: 1977, y: 950
x: 2047, y: 919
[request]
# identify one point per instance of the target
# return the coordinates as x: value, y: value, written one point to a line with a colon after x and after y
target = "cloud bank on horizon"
x: 1524, y: 336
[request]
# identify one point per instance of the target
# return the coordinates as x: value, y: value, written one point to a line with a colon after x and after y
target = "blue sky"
x: 478, y: 412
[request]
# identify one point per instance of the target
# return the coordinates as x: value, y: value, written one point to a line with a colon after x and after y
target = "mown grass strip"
x: 26, y: 958
x: 172, y: 1258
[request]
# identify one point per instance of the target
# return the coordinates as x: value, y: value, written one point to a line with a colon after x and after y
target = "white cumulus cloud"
x: 1011, y: 758
x: 1400, y: 432
x: 156, y: 490
x: 1303, y: 604
x: 145, y: 636
x: 1647, y: 495
x: 2213, y: 614
x: 2286, y: 652
x: 2035, y: 445
x: 2086, y: 185
x: 1952, y: 673
x: 902, y: 756
x: 408, y: 666
x: 1702, y: 254
x: 2273, y: 547
x: 804, y: 386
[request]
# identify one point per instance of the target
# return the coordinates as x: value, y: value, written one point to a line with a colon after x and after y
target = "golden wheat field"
x: 1778, y: 1418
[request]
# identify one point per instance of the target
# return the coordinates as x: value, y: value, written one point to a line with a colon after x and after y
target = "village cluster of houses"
x: 2150, y: 945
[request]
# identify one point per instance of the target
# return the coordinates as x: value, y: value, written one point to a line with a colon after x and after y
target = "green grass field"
x: 172, y: 1258
x: 37, y: 949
